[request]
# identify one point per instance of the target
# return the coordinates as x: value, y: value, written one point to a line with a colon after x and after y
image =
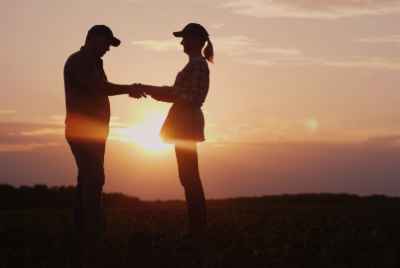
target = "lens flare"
x: 145, y: 135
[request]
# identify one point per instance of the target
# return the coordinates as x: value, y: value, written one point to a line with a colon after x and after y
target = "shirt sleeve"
x: 188, y: 90
x: 82, y: 70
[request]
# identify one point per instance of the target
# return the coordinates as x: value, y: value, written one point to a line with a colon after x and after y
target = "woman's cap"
x: 194, y: 30
x: 104, y: 30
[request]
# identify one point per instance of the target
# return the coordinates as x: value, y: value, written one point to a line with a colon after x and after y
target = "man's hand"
x: 137, y: 91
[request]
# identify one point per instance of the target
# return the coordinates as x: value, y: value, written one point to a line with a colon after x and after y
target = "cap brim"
x: 114, y: 41
x: 178, y: 34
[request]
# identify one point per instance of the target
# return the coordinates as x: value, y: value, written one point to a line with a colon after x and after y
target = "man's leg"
x: 186, y: 155
x: 89, y: 157
x: 79, y: 223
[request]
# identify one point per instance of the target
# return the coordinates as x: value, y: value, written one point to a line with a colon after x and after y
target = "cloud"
x: 367, y: 63
x: 24, y: 147
x: 8, y: 111
x: 117, y: 0
x: 255, y: 61
x: 24, y: 136
x: 52, y: 120
x: 217, y: 25
x: 242, y: 45
x: 237, y: 128
x: 167, y: 45
x: 384, y: 141
x: 394, y: 39
x: 313, y: 9
x: 249, y: 51
x: 355, y: 62
x: 57, y: 120
x: 233, y: 45
x: 46, y: 131
x: 306, y: 129
x: 274, y: 130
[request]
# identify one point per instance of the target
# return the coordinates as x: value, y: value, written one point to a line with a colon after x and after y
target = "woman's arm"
x: 185, y: 91
x: 165, y: 97
x: 189, y: 85
x: 152, y: 89
x: 157, y: 93
x: 147, y: 89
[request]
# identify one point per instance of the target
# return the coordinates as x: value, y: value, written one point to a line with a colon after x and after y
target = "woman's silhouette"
x: 184, y: 125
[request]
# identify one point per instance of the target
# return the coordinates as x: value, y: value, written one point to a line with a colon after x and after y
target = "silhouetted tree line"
x: 305, y: 199
x: 43, y: 197
x: 292, y: 200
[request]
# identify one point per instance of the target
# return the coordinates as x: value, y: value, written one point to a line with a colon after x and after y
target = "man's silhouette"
x: 87, y: 125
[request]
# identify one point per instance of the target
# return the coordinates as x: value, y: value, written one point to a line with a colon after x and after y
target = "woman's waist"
x: 189, y: 105
x: 185, y: 111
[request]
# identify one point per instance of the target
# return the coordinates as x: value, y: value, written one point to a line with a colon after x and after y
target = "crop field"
x: 276, y: 236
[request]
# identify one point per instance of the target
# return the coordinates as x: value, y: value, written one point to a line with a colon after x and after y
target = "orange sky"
x: 303, y: 97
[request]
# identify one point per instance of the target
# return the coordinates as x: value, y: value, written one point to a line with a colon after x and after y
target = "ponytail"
x: 209, y: 51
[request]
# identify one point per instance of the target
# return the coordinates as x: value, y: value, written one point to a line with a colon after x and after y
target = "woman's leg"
x: 188, y: 167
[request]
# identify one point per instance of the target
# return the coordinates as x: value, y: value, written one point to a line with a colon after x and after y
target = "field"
x: 275, y: 236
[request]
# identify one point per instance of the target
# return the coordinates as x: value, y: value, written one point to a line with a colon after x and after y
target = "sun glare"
x: 145, y: 135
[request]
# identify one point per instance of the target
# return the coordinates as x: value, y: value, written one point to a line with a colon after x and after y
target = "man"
x: 87, y: 125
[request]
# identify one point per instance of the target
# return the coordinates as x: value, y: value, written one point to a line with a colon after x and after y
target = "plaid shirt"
x: 185, y: 120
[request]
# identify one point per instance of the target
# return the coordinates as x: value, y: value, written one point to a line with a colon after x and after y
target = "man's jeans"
x: 186, y: 155
x: 88, y: 210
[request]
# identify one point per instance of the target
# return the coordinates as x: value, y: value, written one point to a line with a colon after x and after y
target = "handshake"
x: 137, y: 91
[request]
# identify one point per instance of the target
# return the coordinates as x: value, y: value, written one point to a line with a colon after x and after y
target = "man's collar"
x: 86, y: 53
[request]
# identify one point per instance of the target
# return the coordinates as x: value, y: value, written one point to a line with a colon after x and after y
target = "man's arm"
x: 83, y: 71
x: 106, y: 88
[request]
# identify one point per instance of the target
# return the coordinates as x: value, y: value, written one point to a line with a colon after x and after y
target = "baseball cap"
x: 194, y: 30
x: 102, y: 29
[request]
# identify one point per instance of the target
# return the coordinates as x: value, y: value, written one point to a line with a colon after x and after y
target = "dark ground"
x: 274, y: 236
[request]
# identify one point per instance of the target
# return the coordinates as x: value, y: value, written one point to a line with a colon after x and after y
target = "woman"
x: 184, y: 125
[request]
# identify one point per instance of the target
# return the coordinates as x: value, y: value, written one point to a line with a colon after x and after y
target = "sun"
x: 145, y: 135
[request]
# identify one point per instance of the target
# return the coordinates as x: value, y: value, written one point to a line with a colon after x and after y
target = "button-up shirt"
x: 88, y: 113
x: 185, y: 120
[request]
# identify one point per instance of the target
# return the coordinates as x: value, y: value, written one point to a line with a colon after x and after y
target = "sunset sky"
x: 304, y: 95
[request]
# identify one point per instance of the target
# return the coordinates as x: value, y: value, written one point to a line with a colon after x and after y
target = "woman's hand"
x: 139, y: 90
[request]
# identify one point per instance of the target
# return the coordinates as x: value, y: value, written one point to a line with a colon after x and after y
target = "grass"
x: 286, y: 236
